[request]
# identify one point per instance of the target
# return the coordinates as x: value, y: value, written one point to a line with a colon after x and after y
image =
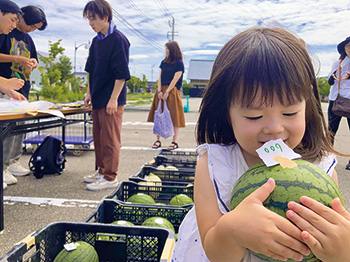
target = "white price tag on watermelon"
x: 275, y: 147
x: 71, y: 246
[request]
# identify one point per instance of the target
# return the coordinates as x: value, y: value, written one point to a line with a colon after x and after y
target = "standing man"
x: 18, y: 58
x: 108, y: 70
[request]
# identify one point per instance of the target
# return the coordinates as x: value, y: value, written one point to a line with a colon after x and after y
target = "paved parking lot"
x: 34, y: 203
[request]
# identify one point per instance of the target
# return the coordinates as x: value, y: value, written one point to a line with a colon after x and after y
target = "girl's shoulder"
x: 327, y: 163
x: 222, y: 155
x: 214, y: 148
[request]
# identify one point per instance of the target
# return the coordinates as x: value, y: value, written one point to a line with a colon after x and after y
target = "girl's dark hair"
x: 33, y: 15
x: 98, y: 7
x: 175, y: 53
x: 342, y: 56
x: 275, y: 62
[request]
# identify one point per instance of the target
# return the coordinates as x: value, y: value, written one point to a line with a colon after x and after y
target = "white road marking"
x: 155, y: 150
x: 43, y: 202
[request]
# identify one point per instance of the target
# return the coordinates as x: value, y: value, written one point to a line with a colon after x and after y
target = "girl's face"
x: 259, y: 124
x: 166, y: 52
x: 347, y: 49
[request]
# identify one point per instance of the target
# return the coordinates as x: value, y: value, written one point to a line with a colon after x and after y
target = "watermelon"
x: 305, y: 179
x: 83, y: 252
x: 154, y: 178
x: 181, y: 200
x: 141, y: 198
x: 123, y: 223
x: 158, y: 222
x: 171, y: 168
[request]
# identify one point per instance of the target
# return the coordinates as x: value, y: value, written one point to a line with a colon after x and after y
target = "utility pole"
x: 152, y: 72
x: 173, y: 32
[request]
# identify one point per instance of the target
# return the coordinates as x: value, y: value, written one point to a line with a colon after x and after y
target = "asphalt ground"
x: 34, y: 203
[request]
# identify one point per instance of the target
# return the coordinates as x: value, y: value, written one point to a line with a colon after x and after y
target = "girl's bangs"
x: 268, y: 72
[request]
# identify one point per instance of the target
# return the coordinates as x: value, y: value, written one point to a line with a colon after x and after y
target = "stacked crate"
x: 123, y: 243
x: 178, y: 179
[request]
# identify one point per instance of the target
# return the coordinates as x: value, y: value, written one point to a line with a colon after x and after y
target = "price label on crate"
x: 274, y: 150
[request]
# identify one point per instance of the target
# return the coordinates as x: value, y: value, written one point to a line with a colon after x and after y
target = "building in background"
x: 35, y: 77
x: 199, y: 72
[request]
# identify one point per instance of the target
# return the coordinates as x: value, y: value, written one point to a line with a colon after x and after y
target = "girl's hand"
x: 264, y: 231
x: 346, y: 76
x: 166, y: 95
x: 160, y: 95
x: 326, y: 231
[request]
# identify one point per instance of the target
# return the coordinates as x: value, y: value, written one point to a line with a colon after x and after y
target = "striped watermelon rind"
x: 141, y: 198
x: 181, y: 200
x: 158, y: 222
x: 123, y: 223
x: 83, y: 252
x: 291, y: 183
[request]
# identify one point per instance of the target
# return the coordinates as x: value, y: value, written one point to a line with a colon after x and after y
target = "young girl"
x: 262, y: 87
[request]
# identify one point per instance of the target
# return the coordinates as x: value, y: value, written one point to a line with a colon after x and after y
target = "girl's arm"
x: 173, y: 83
x: 159, y: 88
x: 326, y: 231
x: 225, y: 237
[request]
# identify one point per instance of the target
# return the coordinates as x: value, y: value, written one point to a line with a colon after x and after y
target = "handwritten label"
x: 71, y: 246
x: 275, y: 147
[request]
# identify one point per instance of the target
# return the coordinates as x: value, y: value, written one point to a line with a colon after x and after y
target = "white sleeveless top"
x: 226, y: 164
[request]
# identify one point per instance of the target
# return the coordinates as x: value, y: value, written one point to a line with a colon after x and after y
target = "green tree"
x: 65, y: 67
x: 144, y: 82
x: 134, y: 83
x: 59, y: 83
x: 323, y: 87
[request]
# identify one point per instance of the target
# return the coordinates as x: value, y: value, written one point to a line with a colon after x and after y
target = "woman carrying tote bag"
x: 340, y: 84
x: 169, y: 85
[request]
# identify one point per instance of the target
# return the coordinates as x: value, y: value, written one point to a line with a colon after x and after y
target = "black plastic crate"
x: 176, y: 177
x: 161, y: 194
x: 112, y: 243
x: 110, y: 210
x: 178, y: 154
x: 178, y: 162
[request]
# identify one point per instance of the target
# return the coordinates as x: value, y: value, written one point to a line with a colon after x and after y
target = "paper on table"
x: 53, y: 112
x: 31, y: 108
x: 275, y: 147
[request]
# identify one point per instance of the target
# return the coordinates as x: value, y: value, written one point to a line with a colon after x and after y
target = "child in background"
x: 262, y: 88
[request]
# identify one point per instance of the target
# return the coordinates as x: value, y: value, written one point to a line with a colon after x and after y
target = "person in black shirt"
x: 18, y: 58
x: 169, y: 85
x: 108, y: 70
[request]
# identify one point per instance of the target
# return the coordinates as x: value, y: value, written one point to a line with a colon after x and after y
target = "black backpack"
x: 48, y: 158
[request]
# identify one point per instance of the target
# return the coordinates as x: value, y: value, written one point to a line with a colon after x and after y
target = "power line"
x: 136, y: 31
x: 139, y: 11
x: 163, y: 8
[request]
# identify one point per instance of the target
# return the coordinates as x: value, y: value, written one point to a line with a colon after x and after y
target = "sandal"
x: 173, y: 146
x: 156, y: 144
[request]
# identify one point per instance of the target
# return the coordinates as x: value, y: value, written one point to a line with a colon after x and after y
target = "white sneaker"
x: 102, y: 184
x: 17, y: 170
x: 92, y: 178
x: 4, y: 185
x: 9, y: 179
